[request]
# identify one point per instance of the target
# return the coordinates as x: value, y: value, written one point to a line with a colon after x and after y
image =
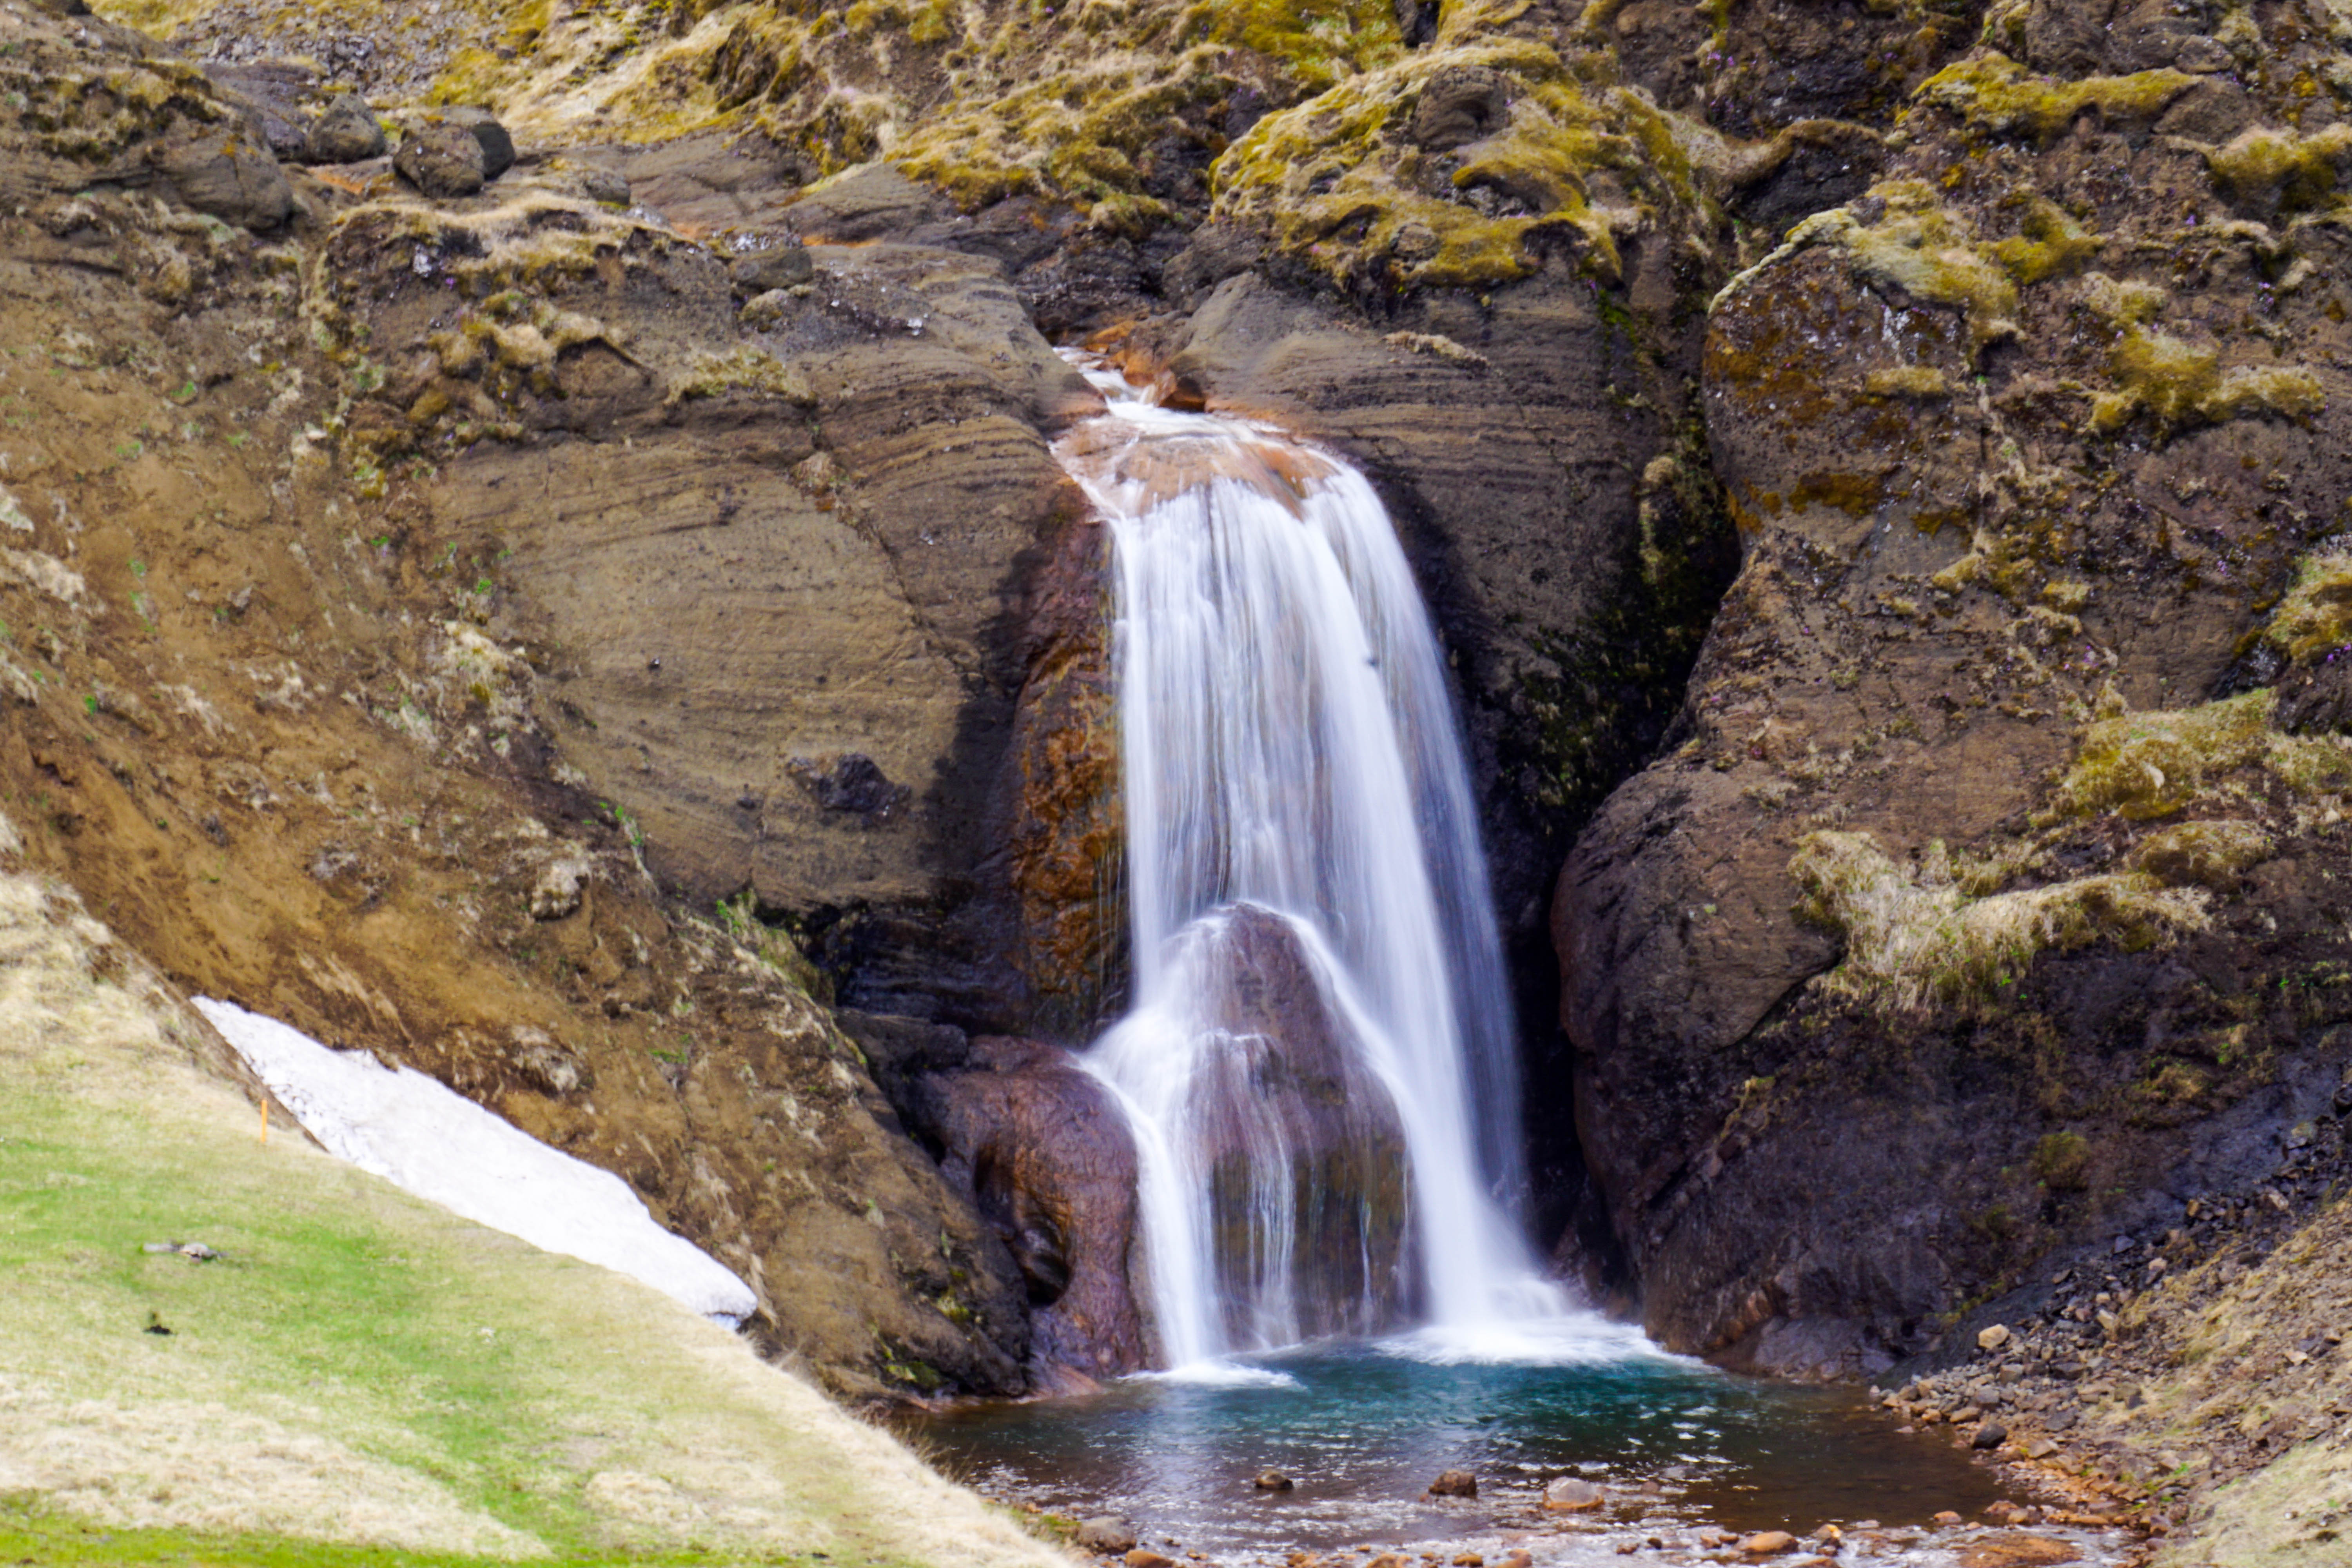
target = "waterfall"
x: 1319, y: 1063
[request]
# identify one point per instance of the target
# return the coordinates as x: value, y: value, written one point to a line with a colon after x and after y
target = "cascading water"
x: 1318, y: 1062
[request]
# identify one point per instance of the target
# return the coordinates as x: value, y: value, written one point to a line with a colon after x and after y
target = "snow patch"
x: 424, y: 1139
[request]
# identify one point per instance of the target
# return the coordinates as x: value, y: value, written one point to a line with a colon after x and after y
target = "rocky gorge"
x: 532, y: 546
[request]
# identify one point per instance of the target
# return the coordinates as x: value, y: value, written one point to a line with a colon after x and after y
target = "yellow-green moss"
x: 2178, y: 384
x: 2049, y: 244
x: 1911, y: 381
x: 1336, y: 181
x: 741, y: 369
x: 1994, y: 93
x: 1913, y: 246
x: 2200, y: 854
x: 2263, y: 166
x: 1925, y: 939
x: 2123, y: 304
x: 2062, y: 1160
x: 2315, y: 617
x: 2151, y: 765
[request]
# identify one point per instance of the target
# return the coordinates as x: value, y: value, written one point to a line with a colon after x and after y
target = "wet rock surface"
x: 1038, y: 1145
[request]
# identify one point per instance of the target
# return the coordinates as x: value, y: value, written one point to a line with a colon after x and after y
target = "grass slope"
x: 361, y: 1377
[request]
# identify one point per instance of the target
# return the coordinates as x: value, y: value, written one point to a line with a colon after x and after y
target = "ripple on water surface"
x: 1362, y: 1430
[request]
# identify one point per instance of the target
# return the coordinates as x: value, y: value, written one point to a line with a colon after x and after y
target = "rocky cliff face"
x: 1988, y: 879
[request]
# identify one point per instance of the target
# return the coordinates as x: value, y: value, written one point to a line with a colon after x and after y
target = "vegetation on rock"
x: 1931, y: 939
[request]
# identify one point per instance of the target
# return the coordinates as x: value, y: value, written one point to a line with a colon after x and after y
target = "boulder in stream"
x: 1454, y: 1483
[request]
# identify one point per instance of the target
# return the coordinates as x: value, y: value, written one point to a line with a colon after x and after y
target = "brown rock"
x: 1461, y: 104
x: 497, y: 146
x: 743, y: 681
x: 1307, y: 1087
x: 780, y: 264
x: 1767, y: 1544
x: 1047, y: 1157
x: 2015, y: 1550
x: 1946, y: 1518
x: 1272, y: 1481
x: 443, y: 160
x: 346, y: 131
x: 1454, y: 1483
x: 1142, y: 1557
x: 230, y: 173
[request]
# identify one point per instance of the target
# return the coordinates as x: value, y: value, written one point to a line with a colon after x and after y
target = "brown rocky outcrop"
x: 1043, y: 1153
x: 2027, y: 444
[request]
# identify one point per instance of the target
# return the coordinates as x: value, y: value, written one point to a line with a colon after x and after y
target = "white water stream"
x: 1318, y: 1064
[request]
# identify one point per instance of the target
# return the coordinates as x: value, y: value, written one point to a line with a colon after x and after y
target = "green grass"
x: 32, y: 1538
x: 360, y: 1377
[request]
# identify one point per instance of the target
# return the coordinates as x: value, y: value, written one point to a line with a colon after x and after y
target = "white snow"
x: 422, y: 1138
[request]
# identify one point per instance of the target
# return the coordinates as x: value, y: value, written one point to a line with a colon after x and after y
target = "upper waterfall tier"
x: 1319, y: 1061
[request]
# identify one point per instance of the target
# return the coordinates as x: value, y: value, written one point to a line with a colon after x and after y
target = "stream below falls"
x: 1688, y: 1456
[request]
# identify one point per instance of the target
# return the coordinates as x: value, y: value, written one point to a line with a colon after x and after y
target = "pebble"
x: 1993, y: 1338
x: 1991, y: 1435
x: 1767, y: 1544
x: 1454, y: 1483
x: 1141, y: 1558
x: 1468, y: 1560
x: 1570, y: 1495
x: 1947, y: 1519
x: 1106, y: 1532
x: 1272, y: 1481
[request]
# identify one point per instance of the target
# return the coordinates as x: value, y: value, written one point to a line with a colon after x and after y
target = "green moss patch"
x: 2315, y: 619
x: 1343, y: 182
x: 1994, y: 94
x: 2150, y: 765
x: 2267, y: 169
x: 1927, y: 937
x: 2178, y: 384
x: 1913, y: 246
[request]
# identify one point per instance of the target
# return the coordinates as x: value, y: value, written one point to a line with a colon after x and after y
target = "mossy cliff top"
x: 1462, y: 164
x: 1112, y: 108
